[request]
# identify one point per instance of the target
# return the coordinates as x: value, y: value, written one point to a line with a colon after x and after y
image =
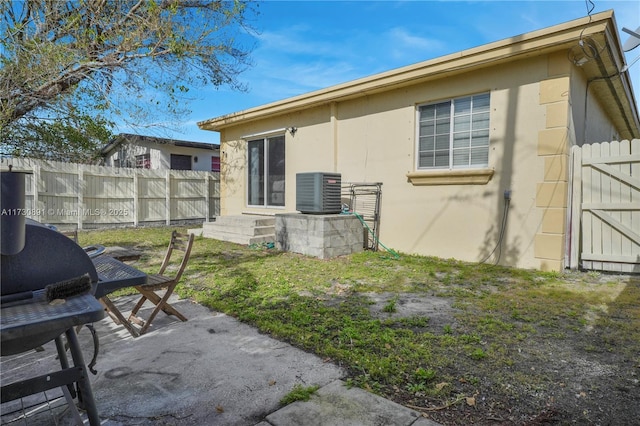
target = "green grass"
x: 299, y: 393
x: 320, y: 306
x: 391, y: 306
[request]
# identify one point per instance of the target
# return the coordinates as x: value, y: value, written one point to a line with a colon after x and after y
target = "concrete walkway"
x: 211, y: 370
x: 335, y: 404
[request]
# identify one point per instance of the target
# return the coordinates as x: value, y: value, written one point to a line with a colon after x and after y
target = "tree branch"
x: 56, y: 51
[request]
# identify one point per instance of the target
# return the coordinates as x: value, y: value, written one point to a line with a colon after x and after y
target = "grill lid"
x: 47, y: 257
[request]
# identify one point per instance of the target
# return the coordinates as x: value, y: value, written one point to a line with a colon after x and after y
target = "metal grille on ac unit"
x: 318, y: 192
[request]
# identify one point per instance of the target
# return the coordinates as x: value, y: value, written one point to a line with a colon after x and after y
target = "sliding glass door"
x: 266, y: 172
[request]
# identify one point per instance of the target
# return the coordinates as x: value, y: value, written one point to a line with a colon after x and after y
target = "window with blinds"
x: 143, y: 161
x: 454, y: 134
x: 215, y: 164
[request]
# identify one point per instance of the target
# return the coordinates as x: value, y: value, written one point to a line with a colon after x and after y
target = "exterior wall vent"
x: 318, y: 193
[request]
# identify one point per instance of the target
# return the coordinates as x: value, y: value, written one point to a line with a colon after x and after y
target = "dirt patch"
x: 582, y: 370
x: 438, y: 310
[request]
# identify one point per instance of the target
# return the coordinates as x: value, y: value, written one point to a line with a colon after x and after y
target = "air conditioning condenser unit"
x: 318, y: 192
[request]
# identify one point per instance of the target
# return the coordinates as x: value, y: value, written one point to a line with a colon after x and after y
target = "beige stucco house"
x: 150, y: 152
x: 472, y: 149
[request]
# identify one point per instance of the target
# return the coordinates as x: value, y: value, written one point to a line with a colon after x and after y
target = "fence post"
x: 36, y: 180
x: 207, y: 198
x: 136, y: 201
x: 167, y: 208
x: 575, y: 214
x: 81, y: 188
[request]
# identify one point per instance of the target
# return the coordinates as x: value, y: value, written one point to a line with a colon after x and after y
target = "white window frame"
x: 452, y: 132
x: 143, y: 161
x: 267, y: 203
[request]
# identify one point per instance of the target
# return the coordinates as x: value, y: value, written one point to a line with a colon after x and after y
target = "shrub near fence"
x: 94, y: 196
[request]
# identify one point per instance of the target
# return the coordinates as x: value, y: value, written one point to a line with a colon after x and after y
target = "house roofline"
x: 546, y: 40
x: 130, y: 137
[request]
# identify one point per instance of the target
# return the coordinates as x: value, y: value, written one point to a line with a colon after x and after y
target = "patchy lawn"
x: 463, y: 343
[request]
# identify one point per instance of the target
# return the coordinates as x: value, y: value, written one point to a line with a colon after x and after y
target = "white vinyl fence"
x: 605, y: 210
x: 95, y: 196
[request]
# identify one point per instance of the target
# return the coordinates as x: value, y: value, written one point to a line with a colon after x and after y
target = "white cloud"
x: 404, y: 38
x: 297, y: 59
x: 406, y: 47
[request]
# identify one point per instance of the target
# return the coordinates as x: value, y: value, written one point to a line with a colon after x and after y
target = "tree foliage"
x: 68, y: 60
x: 74, y: 139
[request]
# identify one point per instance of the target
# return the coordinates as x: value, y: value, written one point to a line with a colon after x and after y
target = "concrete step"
x: 244, y: 220
x: 239, y: 238
x: 242, y: 229
x: 248, y: 230
x: 195, y: 231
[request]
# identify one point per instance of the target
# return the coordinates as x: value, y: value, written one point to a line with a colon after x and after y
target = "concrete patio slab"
x: 210, y: 370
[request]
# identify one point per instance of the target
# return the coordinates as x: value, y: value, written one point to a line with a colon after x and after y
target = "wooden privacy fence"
x: 94, y: 196
x: 605, y: 207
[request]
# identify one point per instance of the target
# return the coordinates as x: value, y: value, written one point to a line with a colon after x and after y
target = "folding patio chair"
x: 180, y: 243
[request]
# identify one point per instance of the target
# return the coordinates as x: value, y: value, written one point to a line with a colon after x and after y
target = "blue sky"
x: 308, y: 45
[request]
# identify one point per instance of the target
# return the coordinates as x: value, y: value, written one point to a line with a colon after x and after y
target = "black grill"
x: 47, y: 257
x: 32, y: 257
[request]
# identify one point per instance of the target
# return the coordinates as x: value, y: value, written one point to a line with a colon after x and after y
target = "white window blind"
x: 454, y: 133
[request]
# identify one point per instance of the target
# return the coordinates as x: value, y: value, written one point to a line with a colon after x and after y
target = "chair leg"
x: 160, y: 305
x: 117, y: 316
x: 136, y: 308
x: 155, y: 311
x: 166, y: 307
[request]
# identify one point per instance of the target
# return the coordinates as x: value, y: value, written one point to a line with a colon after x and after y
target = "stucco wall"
x: 310, y: 149
x: 164, y: 155
x: 372, y: 138
x: 591, y: 123
x: 460, y: 221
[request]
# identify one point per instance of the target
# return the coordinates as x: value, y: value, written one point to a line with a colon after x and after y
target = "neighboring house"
x: 127, y: 150
x: 472, y: 149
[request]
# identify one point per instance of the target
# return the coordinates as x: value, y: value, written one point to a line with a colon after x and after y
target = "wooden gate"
x: 604, y: 222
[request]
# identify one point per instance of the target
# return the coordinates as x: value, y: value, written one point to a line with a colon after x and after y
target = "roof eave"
x: 612, y: 86
x: 132, y: 138
x: 111, y: 145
